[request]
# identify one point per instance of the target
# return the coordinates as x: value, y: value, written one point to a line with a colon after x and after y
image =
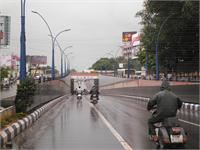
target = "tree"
x: 25, y: 90
x: 179, y: 37
x: 111, y: 63
x: 4, y: 73
x: 103, y: 64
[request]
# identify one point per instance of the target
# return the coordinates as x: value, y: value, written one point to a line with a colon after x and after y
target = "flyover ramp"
x: 71, y: 124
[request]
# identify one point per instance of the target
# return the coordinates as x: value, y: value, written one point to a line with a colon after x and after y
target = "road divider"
x: 8, y: 133
x: 185, y: 106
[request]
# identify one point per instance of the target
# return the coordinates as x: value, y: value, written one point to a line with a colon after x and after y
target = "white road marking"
x: 125, y: 145
x: 189, y: 122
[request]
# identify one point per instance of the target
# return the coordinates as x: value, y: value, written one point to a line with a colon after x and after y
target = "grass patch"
x: 11, y: 119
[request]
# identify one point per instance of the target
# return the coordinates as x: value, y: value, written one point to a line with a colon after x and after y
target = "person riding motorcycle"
x: 167, y: 105
x: 79, y: 91
x: 93, y: 92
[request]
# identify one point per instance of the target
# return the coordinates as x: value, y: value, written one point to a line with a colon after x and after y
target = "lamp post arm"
x: 45, y: 23
x: 59, y: 34
x: 162, y: 26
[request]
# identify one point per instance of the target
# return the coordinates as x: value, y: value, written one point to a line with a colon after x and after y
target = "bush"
x: 11, y: 119
x: 25, y: 92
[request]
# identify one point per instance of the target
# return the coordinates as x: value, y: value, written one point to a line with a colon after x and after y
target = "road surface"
x: 5, y: 93
x: 75, y: 124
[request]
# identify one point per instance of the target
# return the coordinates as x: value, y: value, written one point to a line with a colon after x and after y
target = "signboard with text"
x: 5, y: 30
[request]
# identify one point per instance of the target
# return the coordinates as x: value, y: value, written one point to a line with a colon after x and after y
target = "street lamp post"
x: 63, y: 53
x: 53, y: 42
x: 157, y: 65
x: 115, y: 60
x: 52, y: 64
x: 68, y: 62
x: 22, y: 43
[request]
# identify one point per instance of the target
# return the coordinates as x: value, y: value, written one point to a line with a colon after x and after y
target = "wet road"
x: 129, y: 117
x: 71, y: 124
x: 76, y: 125
x: 5, y: 93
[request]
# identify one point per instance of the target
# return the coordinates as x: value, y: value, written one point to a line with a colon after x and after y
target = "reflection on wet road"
x: 130, y: 116
x: 72, y: 124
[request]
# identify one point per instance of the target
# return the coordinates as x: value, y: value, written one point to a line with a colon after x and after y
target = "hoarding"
x: 5, y: 61
x: 37, y: 60
x: 135, y: 39
x: 127, y: 36
x: 121, y: 65
x: 5, y: 30
x: 9, y: 61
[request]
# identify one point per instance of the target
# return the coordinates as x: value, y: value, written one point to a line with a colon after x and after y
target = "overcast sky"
x: 96, y: 27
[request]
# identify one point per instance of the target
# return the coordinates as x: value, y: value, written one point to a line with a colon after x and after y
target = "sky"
x: 96, y: 27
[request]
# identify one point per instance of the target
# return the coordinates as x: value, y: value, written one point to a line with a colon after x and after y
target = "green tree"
x: 111, y: 63
x: 4, y: 73
x: 103, y: 64
x: 25, y: 90
x: 179, y: 37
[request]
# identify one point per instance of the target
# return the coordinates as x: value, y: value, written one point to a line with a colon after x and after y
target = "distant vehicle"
x: 138, y: 74
x: 5, y: 83
x: 94, y: 98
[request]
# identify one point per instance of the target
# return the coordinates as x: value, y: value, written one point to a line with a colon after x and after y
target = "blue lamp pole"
x: 68, y: 63
x: 53, y: 43
x: 128, y: 66
x: 22, y: 43
x: 63, y: 53
x: 55, y: 40
x: 157, y: 63
x: 114, y: 62
x: 52, y: 64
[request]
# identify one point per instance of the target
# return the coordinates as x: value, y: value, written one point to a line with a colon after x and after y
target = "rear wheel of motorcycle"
x: 161, y: 145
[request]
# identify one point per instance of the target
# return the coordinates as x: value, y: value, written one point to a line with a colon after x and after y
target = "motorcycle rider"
x: 79, y: 91
x: 93, y: 92
x: 167, y: 104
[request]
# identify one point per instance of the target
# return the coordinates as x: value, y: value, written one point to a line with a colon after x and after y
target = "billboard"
x: 37, y: 60
x: 127, y: 36
x: 9, y: 61
x: 5, y: 30
x: 5, y: 61
x: 135, y: 39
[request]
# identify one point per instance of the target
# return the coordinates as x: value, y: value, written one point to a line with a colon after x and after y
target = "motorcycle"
x: 170, y: 133
x: 94, y: 98
x: 79, y: 96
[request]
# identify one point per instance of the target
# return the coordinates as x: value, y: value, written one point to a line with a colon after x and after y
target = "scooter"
x: 170, y: 133
x: 94, y: 98
x: 79, y: 96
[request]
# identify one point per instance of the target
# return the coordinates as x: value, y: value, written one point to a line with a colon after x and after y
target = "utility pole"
x: 22, y: 43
